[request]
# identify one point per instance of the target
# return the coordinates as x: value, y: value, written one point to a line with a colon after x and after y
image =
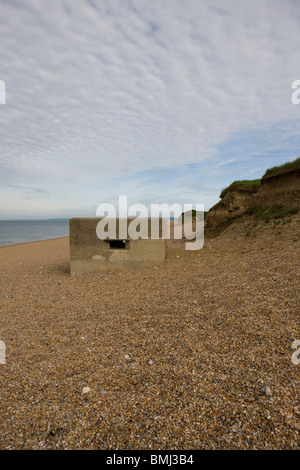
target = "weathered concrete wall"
x: 89, y: 253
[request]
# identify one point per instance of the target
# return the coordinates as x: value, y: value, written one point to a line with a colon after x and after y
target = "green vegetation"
x: 273, y: 214
x: 227, y: 222
x: 252, y: 186
x: 267, y: 214
x: 276, y: 211
x: 248, y: 186
x: 236, y: 208
x: 285, y: 168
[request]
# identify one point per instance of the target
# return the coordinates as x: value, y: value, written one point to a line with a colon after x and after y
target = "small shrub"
x: 228, y: 222
x: 294, y: 211
x: 257, y: 211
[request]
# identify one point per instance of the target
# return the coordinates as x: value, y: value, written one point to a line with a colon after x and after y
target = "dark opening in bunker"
x: 118, y: 244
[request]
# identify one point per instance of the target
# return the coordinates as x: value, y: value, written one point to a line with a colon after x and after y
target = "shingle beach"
x: 192, y: 354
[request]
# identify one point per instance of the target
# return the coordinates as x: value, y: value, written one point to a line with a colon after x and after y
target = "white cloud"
x: 102, y: 88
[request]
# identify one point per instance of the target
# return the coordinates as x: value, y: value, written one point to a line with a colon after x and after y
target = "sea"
x: 21, y: 231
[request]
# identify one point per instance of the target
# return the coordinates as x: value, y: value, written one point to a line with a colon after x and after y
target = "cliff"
x: 273, y: 199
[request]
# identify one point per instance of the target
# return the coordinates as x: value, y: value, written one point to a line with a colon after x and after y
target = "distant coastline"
x: 13, y: 232
x: 33, y: 220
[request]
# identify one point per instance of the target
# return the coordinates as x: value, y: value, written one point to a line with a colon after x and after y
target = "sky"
x: 162, y: 101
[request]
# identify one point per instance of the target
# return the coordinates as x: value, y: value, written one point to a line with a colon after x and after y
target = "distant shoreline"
x: 14, y: 232
x: 33, y: 241
x: 34, y: 220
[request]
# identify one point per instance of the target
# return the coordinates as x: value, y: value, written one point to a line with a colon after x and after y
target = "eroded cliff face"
x: 278, y: 197
x: 226, y: 211
x: 281, y: 189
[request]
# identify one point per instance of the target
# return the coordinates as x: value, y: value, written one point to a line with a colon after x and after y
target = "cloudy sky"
x: 162, y: 100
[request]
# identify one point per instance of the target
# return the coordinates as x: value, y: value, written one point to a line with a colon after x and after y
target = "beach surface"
x: 192, y: 354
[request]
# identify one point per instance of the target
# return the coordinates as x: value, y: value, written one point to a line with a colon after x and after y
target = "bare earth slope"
x: 176, y: 356
x: 277, y: 198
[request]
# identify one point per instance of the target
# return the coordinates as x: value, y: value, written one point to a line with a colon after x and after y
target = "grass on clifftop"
x: 286, y: 167
x: 252, y: 186
x: 248, y: 186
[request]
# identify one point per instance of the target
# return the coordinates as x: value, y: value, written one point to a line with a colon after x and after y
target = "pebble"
x: 85, y: 390
x: 250, y: 399
x: 201, y: 378
x: 268, y: 392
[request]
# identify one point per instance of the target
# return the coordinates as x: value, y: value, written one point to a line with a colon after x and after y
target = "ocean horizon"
x: 21, y: 231
x: 14, y: 231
